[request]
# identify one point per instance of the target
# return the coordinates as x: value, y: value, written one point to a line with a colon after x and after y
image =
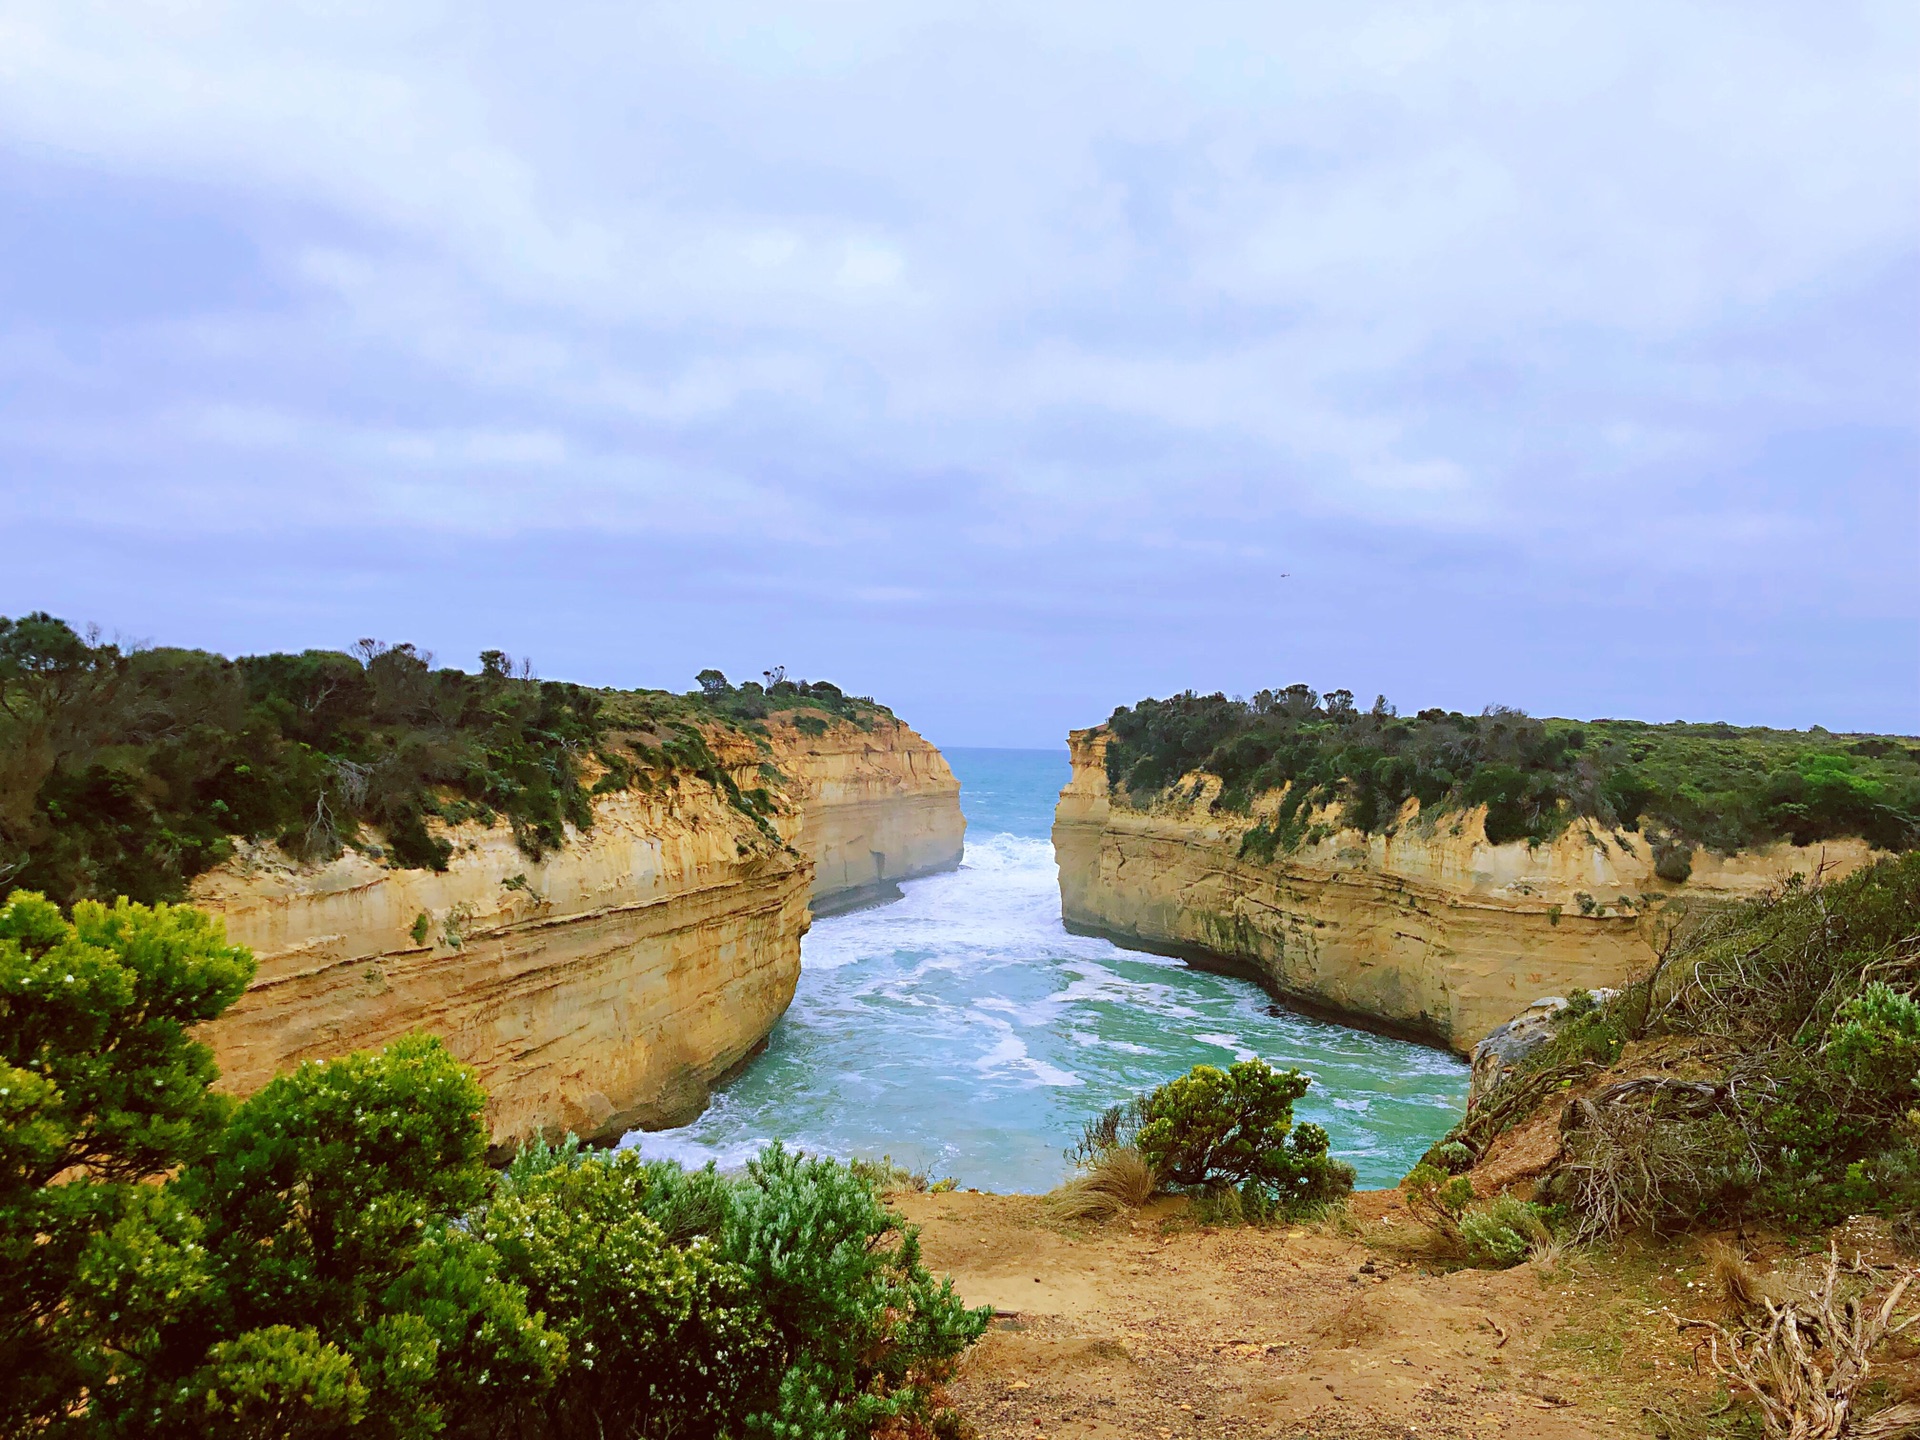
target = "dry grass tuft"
x: 1115, y: 1182
x: 1338, y: 1220
x: 1547, y: 1253
x: 1741, y: 1289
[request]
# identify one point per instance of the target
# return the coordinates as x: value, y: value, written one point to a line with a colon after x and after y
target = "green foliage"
x: 788, y: 1302
x: 273, y: 1383
x: 100, y: 1087
x: 333, y: 1257
x: 1502, y: 1231
x: 1873, y: 1042
x: 1438, y: 1200
x: 861, y: 1330
x: 660, y: 1336
x: 1701, y: 785
x: 1233, y: 1129
x: 812, y: 705
x: 1672, y: 861
x: 131, y: 772
x: 335, y: 1202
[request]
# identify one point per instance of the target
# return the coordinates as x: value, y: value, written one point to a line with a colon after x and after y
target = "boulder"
x: 1495, y: 1057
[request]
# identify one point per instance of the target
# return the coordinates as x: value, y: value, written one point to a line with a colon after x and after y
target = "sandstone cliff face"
x: 1432, y: 931
x: 873, y: 807
x: 609, y: 985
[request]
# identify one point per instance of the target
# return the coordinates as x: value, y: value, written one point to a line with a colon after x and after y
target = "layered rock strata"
x: 873, y: 808
x: 609, y: 985
x: 1426, y: 930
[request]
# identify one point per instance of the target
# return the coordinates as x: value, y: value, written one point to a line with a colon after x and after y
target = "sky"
x: 1006, y: 362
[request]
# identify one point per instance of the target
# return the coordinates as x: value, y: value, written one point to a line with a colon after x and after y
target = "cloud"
x: 993, y: 315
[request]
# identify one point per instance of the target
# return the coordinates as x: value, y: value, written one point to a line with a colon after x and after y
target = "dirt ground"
x: 1159, y: 1328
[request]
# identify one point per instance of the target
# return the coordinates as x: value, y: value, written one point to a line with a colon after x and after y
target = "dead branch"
x: 1807, y: 1361
x: 1896, y: 1422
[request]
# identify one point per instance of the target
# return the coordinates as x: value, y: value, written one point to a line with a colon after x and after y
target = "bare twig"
x: 1807, y: 1361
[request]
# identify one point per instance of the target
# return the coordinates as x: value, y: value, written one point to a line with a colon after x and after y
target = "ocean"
x: 962, y: 1031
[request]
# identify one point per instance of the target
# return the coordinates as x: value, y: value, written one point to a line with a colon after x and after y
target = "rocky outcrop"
x: 609, y: 985
x: 873, y: 807
x: 1425, y: 930
x: 1501, y: 1050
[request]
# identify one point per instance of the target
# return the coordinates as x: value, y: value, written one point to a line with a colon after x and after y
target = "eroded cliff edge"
x: 1429, y: 931
x: 874, y: 806
x: 608, y: 985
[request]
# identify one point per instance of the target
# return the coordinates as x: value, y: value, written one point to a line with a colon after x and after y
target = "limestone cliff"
x: 1428, y: 930
x: 610, y: 984
x: 873, y: 807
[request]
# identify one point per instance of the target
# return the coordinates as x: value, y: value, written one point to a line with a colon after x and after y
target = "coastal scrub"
x: 1676, y: 787
x: 332, y: 1257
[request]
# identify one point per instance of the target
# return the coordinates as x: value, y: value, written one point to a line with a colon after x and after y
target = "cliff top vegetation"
x: 1766, y: 1067
x: 128, y: 771
x: 812, y: 705
x: 1719, y: 786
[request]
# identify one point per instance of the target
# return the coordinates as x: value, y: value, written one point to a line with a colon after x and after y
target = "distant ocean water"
x: 962, y: 1030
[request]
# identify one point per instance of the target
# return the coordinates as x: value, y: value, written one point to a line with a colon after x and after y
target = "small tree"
x: 100, y: 1089
x: 712, y: 684
x: 1438, y: 1199
x: 1214, y: 1127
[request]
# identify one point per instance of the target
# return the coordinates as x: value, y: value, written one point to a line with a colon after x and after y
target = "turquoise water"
x: 963, y: 1031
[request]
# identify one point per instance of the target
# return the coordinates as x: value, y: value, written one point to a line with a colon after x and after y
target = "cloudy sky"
x: 1004, y: 361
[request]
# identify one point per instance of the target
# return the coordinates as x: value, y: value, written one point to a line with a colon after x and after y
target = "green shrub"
x: 1438, y: 1200
x: 335, y: 1202
x: 334, y: 1256
x: 1233, y: 1129
x: 1673, y: 861
x: 1873, y: 1041
x: 278, y: 1382
x: 659, y: 1337
x: 861, y: 1331
x: 1502, y: 1231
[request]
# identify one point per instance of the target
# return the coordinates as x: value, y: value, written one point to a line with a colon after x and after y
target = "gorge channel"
x: 963, y: 1031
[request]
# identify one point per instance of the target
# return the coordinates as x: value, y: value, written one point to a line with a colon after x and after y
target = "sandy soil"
x: 1156, y: 1327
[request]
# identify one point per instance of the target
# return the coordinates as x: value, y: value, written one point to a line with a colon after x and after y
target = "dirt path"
x: 1158, y: 1329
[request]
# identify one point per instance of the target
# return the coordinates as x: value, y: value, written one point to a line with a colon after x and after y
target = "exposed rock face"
x: 875, y: 807
x: 609, y: 985
x: 1429, y: 931
x: 1505, y: 1046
